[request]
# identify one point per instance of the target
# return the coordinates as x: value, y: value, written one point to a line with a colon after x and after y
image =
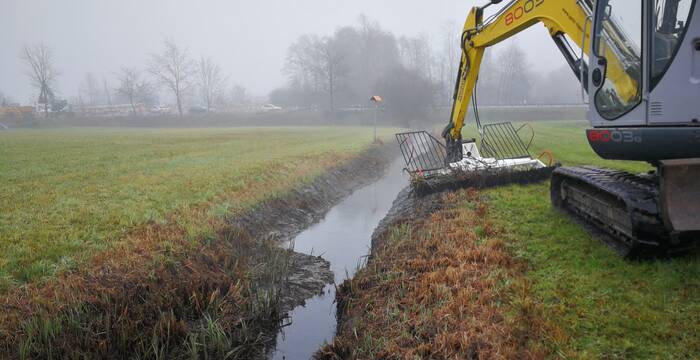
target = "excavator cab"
x: 644, y: 77
x: 643, y: 87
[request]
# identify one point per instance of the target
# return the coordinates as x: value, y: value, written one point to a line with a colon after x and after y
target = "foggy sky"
x: 248, y: 38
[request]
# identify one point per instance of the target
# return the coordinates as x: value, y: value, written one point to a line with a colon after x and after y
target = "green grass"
x: 607, y: 307
x: 66, y: 193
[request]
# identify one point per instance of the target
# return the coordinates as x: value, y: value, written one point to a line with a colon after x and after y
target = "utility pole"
x: 376, y: 100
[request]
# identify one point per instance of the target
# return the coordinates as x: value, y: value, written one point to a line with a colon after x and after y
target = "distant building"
x: 16, y: 111
x: 108, y: 110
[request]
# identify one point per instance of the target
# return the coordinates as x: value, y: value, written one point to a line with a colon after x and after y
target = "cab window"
x: 670, y: 25
x: 619, y: 42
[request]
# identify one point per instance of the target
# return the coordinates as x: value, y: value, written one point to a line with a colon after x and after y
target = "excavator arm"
x: 570, y: 18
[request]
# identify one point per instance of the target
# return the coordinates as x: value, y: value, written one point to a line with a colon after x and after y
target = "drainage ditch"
x: 342, y: 238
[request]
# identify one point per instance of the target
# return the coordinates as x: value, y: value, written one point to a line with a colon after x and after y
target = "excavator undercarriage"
x: 626, y: 207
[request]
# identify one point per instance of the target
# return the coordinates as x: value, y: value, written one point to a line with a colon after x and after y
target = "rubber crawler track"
x: 623, y: 205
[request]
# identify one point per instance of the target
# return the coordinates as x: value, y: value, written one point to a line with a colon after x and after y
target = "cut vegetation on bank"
x: 499, y: 274
x: 180, y: 279
x: 438, y: 286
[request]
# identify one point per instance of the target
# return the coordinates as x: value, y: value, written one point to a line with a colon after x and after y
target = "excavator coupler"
x: 501, y: 158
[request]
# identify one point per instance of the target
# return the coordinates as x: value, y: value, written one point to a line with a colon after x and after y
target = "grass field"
x: 606, y: 306
x: 556, y: 292
x: 67, y: 193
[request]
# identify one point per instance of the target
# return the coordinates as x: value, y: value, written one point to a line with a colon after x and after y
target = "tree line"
x: 412, y: 74
x: 339, y: 71
x: 172, y: 69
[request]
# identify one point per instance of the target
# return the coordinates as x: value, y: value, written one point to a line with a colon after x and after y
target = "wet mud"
x: 283, y: 218
x: 343, y: 237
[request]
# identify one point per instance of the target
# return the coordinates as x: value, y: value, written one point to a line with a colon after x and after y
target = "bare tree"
x: 41, y: 73
x: 174, y: 70
x: 317, y: 64
x: 408, y: 94
x: 559, y: 86
x: 416, y: 54
x: 91, y: 89
x: 108, y: 95
x: 487, y: 90
x: 238, y: 95
x: 515, y: 79
x: 211, y: 81
x: 380, y: 48
x: 333, y: 68
x: 449, y: 61
x: 302, y: 65
x: 133, y: 88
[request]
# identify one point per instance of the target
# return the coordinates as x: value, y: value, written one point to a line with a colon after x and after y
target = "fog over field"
x: 249, y: 39
x: 349, y: 179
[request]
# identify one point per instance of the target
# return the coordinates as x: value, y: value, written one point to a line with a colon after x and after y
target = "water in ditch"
x: 344, y: 239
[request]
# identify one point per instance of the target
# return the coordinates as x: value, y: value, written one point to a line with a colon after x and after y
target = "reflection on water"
x: 344, y: 239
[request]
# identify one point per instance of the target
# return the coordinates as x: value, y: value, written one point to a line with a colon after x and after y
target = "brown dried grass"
x: 157, y: 294
x: 442, y: 287
x: 189, y: 286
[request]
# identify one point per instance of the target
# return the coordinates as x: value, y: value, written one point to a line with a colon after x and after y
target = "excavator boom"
x: 565, y: 20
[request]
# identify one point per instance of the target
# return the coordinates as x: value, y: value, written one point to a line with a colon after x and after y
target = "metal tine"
x: 495, y: 141
x: 487, y: 148
x: 513, y: 146
x: 421, y: 151
x: 523, y: 147
x: 415, y: 155
x: 510, y: 148
x: 412, y: 158
x: 501, y: 141
x: 518, y: 141
x: 419, y: 162
x: 498, y: 142
x: 425, y: 161
x: 431, y: 149
x: 401, y: 139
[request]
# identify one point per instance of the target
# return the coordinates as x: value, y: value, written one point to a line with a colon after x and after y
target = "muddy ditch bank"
x: 435, y: 287
x: 165, y: 296
x: 283, y: 218
x: 407, y: 208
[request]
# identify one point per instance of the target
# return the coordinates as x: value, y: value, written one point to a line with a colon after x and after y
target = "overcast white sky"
x: 248, y: 38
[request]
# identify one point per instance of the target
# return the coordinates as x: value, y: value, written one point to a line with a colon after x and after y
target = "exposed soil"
x: 283, y: 218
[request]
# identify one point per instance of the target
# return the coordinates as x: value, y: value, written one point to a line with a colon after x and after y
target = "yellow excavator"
x: 639, y: 62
